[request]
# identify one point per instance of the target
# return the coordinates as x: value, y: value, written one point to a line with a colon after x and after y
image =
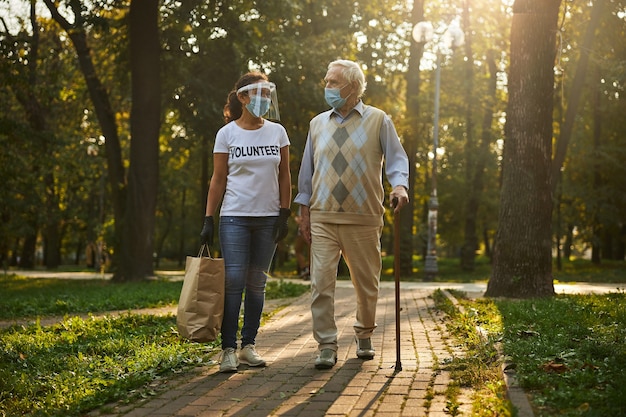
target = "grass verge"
x: 577, y: 270
x: 24, y: 297
x: 81, y: 364
x: 569, y: 352
x: 31, y: 297
x: 479, y: 369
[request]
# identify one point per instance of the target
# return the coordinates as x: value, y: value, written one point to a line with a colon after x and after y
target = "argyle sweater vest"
x: 348, y: 160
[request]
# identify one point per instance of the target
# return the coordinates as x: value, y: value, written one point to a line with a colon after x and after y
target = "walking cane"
x: 396, y: 272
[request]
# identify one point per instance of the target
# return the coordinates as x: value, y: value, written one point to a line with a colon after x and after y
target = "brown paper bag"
x: 201, y: 303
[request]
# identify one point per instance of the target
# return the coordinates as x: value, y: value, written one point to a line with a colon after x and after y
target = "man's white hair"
x: 351, y: 72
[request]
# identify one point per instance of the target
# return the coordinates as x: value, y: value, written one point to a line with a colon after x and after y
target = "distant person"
x: 251, y: 175
x: 301, y: 248
x: 341, y: 194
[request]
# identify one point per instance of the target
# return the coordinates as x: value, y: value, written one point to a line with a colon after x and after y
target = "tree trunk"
x: 468, y: 252
x: 595, y: 247
x: 599, y: 229
x: 620, y: 252
x: 168, y: 217
x: 145, y: 121
x: 207, y: 156
x: 51, y: 229
x: 407, y: 214
x: 36, y: 114
x: 470, y: 244
x: 607, y: 244
x: 27, y: 257
x: 476, y: 156
x: 522, y: 254
x: 487, y: 243
x: 573, y: 99
x: 103, y: 110
x: 183, y: 226
x: 569, y: 241
x: 557, y: 234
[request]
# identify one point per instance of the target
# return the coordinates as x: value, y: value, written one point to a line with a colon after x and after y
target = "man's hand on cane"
x: 398, y: 198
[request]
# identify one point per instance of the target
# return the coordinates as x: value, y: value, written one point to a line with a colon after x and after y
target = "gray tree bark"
x: 522, y: 265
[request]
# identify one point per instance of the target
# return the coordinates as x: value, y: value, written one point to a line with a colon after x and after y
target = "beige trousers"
x: 360, y: 246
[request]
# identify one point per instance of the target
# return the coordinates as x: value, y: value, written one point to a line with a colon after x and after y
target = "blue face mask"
x: 333, y: 97
x: 258, y: 105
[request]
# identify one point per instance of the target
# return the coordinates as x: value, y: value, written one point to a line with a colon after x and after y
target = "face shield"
x: 266, y: 90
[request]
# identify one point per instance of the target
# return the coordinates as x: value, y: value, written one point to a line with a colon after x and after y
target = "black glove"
x: 281, y: 228
x: 206, y: 235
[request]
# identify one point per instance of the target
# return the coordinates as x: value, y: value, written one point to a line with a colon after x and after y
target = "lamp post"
x: 452, y: 37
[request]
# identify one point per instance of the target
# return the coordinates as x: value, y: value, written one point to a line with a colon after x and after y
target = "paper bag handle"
x: 203, y: 248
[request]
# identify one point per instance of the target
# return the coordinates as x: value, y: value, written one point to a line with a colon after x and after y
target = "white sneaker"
x: 249, y: 356
x: 229, y: 362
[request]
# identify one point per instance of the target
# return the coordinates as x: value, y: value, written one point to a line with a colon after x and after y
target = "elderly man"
x: 341, y: 194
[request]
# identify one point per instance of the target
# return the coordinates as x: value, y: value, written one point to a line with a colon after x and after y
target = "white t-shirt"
x: 253, y: 161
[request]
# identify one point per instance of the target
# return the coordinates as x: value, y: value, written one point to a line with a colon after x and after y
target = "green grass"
x: 284, y: 289
x: 579, y: 270
x: 449, y: 270
x: 78, y: 365
x: 569, y: 352
x: 479, y: 368
x: 82, y: 364
x: 31, y: 297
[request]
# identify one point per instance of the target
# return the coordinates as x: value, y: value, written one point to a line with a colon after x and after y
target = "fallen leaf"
x: 583, y: 407
x: 552, y: 366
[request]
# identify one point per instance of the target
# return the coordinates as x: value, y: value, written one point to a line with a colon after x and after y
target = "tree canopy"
x: 71, y: 146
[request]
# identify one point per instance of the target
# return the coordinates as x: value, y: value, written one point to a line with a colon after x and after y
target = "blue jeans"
x: 248, y: 248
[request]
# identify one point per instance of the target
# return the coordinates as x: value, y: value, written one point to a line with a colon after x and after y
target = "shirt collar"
x: 359, y: 107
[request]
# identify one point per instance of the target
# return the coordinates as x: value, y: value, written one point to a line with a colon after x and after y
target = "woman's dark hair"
x: 233, y: 108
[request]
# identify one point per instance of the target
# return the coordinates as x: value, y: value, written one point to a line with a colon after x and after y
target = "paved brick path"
x: 291, y: 386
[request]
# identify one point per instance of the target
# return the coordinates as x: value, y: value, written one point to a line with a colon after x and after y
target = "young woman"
x: 251, y: 177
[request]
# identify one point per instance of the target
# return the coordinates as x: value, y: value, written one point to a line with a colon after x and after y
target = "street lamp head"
x: 423, y: 32
x: 92, y: 149
x: 454, y: 36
